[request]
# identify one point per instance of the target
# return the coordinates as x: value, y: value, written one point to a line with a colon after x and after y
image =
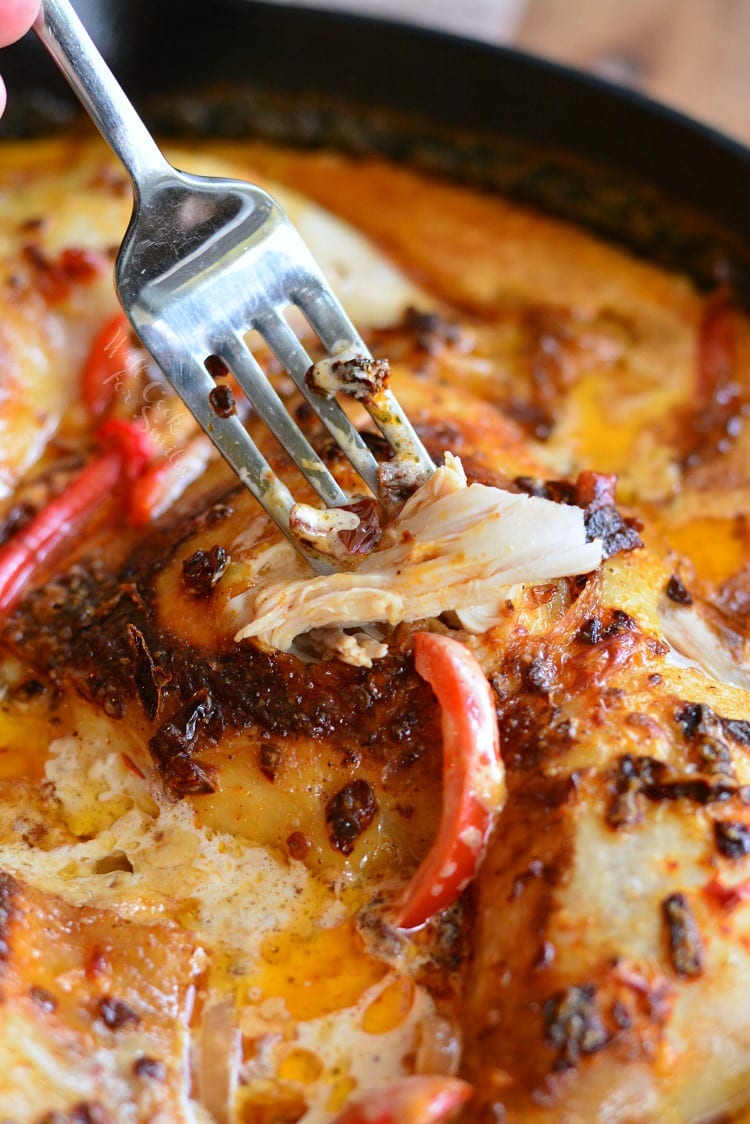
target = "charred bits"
x: 298, y: 845
x: 116, y: 1014
x: 698, y: 719
x: 685, y: 946
x: 707, y: 733
x: 202, y: 570
x: 173, y: 745
x: 270, y: 760
x: 431, y: 331
x: 349, y: 813
x: 732, y: 839
x: 147, y: 677
x: 597, y: 630
x: 594, y: 492
x: 658, y: 781
x: 573, y: 1025
x: 676, y: 592
x: 150, y: 1068
x: 222, y: 401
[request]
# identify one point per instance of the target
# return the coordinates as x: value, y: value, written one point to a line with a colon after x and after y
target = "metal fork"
x: 204, y: 262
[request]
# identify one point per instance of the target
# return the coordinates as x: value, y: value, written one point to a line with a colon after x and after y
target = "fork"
x: 204, y: 262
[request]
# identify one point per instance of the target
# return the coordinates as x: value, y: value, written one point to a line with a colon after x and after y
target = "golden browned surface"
x: 180, y: 811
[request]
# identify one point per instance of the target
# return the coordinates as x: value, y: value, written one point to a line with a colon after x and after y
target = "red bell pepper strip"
x: 473, y: 778
x: 428, y: 1099
x: 148, y: 492
x: 128, y: 450
x: 107, y: 363
x: 23, y: 554
x: 165, y: 480
x: 134, y: 441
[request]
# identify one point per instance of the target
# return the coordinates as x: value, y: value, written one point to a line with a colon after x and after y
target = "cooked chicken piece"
x: 184, y: 805
x: 450, y: 549
x: 608, y: 975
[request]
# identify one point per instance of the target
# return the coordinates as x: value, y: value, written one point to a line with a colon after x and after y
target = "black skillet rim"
x: 577, y: 146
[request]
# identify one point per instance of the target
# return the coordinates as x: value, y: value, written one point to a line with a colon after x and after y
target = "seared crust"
x: 84, y: 992
x: 179, y: 812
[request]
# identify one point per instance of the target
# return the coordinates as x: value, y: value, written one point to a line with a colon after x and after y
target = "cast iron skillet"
x: 640, y: 174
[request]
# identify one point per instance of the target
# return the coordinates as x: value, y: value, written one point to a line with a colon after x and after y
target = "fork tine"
x: 329, y: 320
x: 212, y: 259
x: 293, y: 357
x: 194, y: 384
x: 256, y: 386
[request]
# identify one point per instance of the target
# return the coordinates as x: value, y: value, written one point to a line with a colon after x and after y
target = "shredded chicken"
x: 697, y: 641
x: 454, y: 547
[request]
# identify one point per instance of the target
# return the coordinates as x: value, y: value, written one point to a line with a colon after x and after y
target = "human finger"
x: 16, y: 17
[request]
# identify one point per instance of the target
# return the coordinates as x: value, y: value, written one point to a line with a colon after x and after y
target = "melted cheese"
x: 266, y: 985
x: 283, y: 938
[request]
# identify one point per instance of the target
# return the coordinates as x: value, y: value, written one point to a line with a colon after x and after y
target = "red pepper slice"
x: 165, y: 480
x: 427, y: 1099
x: 106, y: 364
x: 134, y: 441
x: 148, y: 491
x: 23, y: 554
x: 473, y: 778
x: 130, y: 451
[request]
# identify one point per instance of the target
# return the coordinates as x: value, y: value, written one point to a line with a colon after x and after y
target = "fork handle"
x: 62, y: 33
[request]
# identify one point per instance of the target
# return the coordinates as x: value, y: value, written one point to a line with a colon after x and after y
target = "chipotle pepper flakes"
x: 216, y: 367
x: 349, y: 813
x: 149, y: 1067
x: 146, y: 677
x: 55, y: 278
x: 573, y: 1025
x: 676, y: 592
x: 732, y: 839
x: 727, y: 897
x: 270, y: 760
x: 298, y: 845
x: 173, y: 744
x: 202, y: 570
x: 115, y: 1013
x: 222, y: 401
x: 685, y: 946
